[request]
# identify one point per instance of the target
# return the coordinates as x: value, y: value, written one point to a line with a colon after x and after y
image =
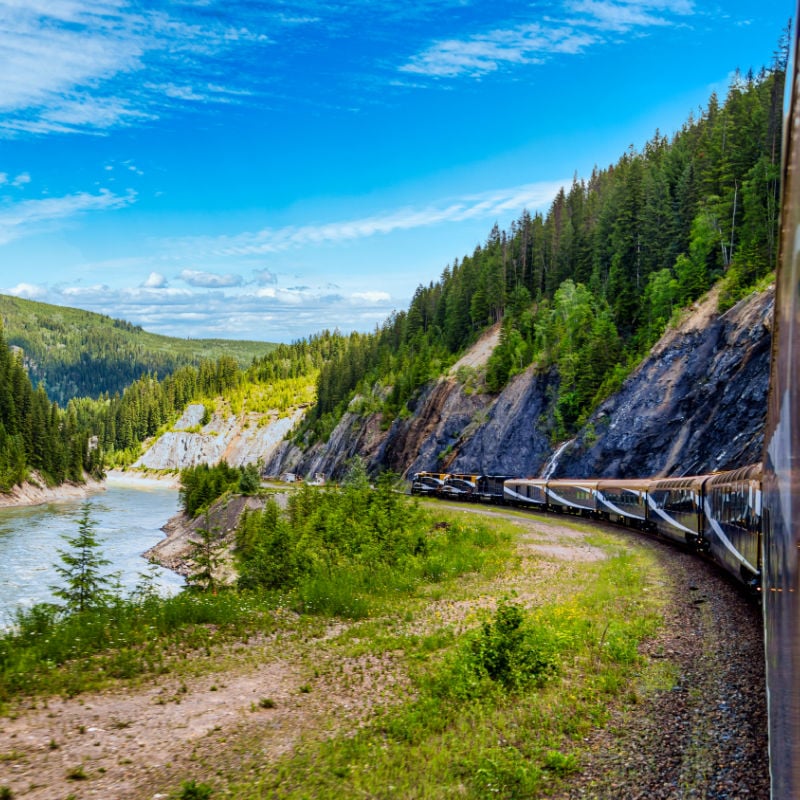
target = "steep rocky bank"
x: 695, y: 404
x: 238, y: 439
x: 35, y: 492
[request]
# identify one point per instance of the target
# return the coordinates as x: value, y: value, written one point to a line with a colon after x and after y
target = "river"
x: 128, y: 519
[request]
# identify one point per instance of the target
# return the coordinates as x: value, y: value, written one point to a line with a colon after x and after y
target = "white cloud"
x: 209, y: 280
x: 24, y: 218
x: 533, y: 43
x: 489, y: 205
x: 264, y: 277
x: 478, y: 55
x: 371, y: 297
x: 76, y: 66
x: 27, y: 290
x: 21, y: 180
x: 155, y: 281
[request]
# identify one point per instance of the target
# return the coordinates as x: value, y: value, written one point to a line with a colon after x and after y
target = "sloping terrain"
x: 76, y: 353
x: 238, y: 439
x: 695, y: 404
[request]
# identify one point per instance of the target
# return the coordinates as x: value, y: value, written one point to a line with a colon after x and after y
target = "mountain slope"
x: 76, y: 353
x: 695, y: 404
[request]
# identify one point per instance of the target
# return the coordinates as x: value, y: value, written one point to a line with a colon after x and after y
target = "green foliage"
x: 191, y: 790
x: 344, y: 551
x: 84, y: 585
x: 249, y: 479
x: 205, y: 558
x: 585, y: 289
x: 203, y: 484
x: 76, y: 353
x: 507, y: 653
x: 35, y: 434
x: 56, y: 652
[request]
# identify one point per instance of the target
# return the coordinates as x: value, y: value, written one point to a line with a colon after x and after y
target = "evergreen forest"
x: 587, y: 288
x: 75, y: 353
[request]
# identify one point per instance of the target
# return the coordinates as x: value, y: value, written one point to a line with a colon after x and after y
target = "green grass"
x: 511, y: 732
x: 494, y: 704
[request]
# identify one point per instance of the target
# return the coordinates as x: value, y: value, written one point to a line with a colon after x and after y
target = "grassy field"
x: 476, y: 671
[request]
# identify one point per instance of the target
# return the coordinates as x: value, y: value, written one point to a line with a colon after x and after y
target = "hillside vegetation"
x: 75, y: 353
x: 582, y: 292
x: 585, y: 290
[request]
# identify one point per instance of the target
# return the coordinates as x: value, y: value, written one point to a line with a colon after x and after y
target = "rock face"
x: 239, y: 440
x: 695, y: 405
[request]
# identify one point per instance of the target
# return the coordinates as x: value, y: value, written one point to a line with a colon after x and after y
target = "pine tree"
x: 85, y: 586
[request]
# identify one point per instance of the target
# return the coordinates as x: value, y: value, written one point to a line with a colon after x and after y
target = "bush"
x: 507, y: 653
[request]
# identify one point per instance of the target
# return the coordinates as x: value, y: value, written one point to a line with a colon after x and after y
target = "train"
x: 746, y: 520
x: 717, y: 515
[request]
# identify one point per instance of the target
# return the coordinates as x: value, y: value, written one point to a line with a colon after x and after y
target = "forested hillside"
x: 582, y: 292
x: 35, y: 434
x: 585, y: 289
x: 75, y: 353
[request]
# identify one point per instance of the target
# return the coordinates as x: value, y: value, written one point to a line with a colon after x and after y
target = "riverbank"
x: 250, y: 716
x: 143, y: 478
x: 35, y: 492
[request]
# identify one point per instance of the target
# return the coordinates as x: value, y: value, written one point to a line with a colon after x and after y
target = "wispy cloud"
x: 489, y: 205
x: 209, y: 280
x: 33, y: 216
x: 580, y: 27
x: 270, y: 313
x: 68, y: 66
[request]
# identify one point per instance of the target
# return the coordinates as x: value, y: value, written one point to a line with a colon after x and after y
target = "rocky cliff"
x: 696, y: 404
x: 238, y: 439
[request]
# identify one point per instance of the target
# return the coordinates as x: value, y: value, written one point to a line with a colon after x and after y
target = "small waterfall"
x: 552, y: 462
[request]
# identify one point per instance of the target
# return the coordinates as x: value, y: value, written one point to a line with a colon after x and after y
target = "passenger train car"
x: 718, y: 515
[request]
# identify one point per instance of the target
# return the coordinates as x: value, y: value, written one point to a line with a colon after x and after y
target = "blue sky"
x: 263, y: 170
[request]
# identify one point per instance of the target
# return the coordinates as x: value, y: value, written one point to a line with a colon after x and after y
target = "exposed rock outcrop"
x: 696, y: 404
x: 175, y: 551
x: 243, y: 439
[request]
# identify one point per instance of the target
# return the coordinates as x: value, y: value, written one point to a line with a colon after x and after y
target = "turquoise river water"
x: 128, y: 519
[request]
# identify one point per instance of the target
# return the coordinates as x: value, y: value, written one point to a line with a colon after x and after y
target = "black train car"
x: 732, y: 534
x: 429, y: 483
x: 491, y: 488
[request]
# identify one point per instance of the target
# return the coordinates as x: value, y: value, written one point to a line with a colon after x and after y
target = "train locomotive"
x: 718, y: 515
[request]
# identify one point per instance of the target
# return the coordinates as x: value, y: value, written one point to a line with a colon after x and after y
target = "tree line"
x: 583, y: 290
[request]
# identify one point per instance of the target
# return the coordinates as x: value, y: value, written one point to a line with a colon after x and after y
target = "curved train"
x: 719, y: 515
